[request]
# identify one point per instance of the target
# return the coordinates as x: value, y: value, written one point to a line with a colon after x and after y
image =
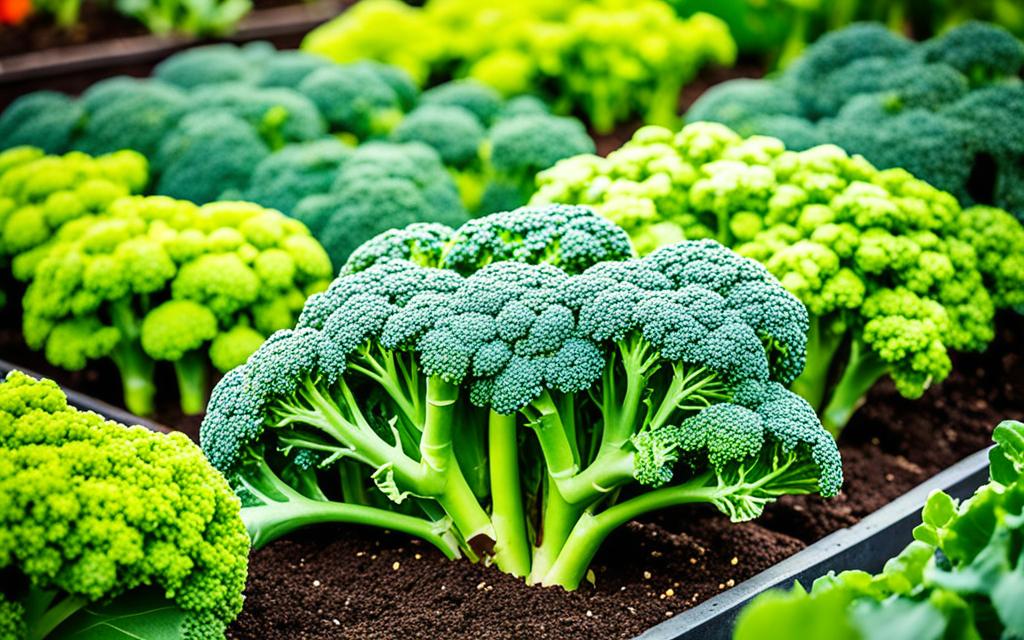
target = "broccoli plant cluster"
x: 893, y: 271
x: 152, y: 279
x: 948, y: 110
x: 274, y: 127
x: 607, y: 59
x: 962, y: 576
x: 102, y: 521
x: 518, y: 388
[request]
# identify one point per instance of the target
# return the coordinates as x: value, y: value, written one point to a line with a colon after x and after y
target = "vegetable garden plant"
x: 333, y: 259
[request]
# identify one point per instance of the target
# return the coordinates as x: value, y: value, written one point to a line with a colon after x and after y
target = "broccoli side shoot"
x: 151, y: 280
x: 504, y: 408
x: 102, y: 516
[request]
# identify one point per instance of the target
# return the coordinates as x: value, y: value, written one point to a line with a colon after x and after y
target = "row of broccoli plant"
x: 893, y: 272
x: 948, y: 110
x: 110, y: 531
x: 607, y: 60
x: 518, y: 388
x: 147, y: 279
x: 962, y: 577
x: 279, y: 127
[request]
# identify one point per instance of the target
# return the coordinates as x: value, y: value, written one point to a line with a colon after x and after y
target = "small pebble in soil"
x: 316, y: 583
x: 647, y: 575
x: 734, y: 561
x: 396, y: 565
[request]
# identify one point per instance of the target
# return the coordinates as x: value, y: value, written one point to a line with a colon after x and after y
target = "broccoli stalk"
x: 136, y: 368
x: 45, y: 610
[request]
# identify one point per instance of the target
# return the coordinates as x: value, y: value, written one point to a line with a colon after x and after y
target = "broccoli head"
x: 126, y: 113
x: 102, y: 516
x: 287, y: 176
x: 43, y: 119
x: 210, y: 65
x: 353, y: 99
x: 664, y: 375
x: 477, y: 98
x: 151, y: 279
x: 453, y: 132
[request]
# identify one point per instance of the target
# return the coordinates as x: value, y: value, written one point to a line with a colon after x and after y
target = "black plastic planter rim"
x: 866, y: 545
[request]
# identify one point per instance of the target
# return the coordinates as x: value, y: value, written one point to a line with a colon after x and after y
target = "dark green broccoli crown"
x: 280, y: 115
x: 206, y: 154
x: 209, y: 65
x: 570, y: 237
x: 43, y: 119
x: 453, y: 132
x: 353, y: 98
x: 523, y: 106
x: 136, y: 508
x: 735, y: 102
x: 983, y: 52
x: 477, y: 98
x: 287, y: 176
x: 989, y: 119
x: 288, y: 69
x: 396, y: 78
x: 125, y: 113
x: 523, y: 145
x: 422, y: 243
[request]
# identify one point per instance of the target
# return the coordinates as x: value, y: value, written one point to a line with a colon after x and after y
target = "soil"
x: 96, y: 24
x: 349, y: 582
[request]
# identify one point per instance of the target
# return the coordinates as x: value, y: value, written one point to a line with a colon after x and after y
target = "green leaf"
x: 1007, y: 596
x: 1007, y: 458
x: 142, y: 614
x: 939, y: 509
x: 898, y: 618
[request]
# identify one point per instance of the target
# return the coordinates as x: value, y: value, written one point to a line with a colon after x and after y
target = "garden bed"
x: 352, y: 582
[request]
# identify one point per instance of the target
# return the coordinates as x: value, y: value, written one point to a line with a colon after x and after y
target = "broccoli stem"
x: 193, y: 381
x: 558, y: 518
x: 591, y: 530
x: 43, y: 615
x: 559, y: 455
x: 663, y: 103
x: 620, y: 413
x: 822, y: 345
x: 796, y: 41
x: 353, y: 489
x: 511, y: 549
x: 136, y: 369
x: 863, y: 370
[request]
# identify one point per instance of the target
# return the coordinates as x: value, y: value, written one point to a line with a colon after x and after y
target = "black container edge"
x: 866, y: 545
x: 88, y: 403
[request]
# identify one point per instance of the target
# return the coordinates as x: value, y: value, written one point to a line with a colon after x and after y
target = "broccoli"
x: 287, y: 176
x: 477, y: 98
x: 663, y: 375
x: 354, y: 99
x: 125, y: 113
x: 152, y: 279
x: 281, y: 116
x: 453, y: 132
x: 288, y: 69
x: 207, y: 153
x: 39, y: 193
x: 210, y: 65
x: 959, y: 578
x: 946, y: 109
x: 43, y: 119
x: 522, y: 146
x: 893, y: 272
x: 101, y: 518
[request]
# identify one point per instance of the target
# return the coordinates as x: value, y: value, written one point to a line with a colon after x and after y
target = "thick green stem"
x: 353, y: 487
x: 462, y: 507
x: 436, y: 442
x: 554, y: 440
x: 591, y: 530
x: 796, y: 41
x: 863, y: 370
x: 557, y: 521
x: 40, y: 626
x: 193, y: 382
x: 620, y: 413
x: 511, y: 549
x: 136, y: 369
x: 822, y: 345
x: 610, y: 469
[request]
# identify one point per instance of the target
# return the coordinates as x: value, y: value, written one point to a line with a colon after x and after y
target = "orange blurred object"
x: 14, y: 11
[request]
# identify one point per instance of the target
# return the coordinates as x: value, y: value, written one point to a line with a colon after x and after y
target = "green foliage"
x: 607, y: 59
x: 946, y: 109
x: 151, y: 279
x: 893, y: 271
x: 104, y: 522
x: 419, y: 374
x: 185, y: 17
x: 962, y: 577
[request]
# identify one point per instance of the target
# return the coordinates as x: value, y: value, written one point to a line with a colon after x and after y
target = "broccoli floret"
x: 354, y: 99
x: 521, y: 147
x: 281, y: 116
x: 453, y: 132
x: 981, y: 51
x: 125, y: 113
x: 475, y: 97
x: 155, y: 279
x: 396, y: 78
x: 135, y: 520
x: 735, y: 102
x: 664, y: 375
x: 523, y: 106
x: 43, y: 119
x: 207, y: 153
x: 210, y: 65
x: 288, y: 69
x: 890, y: 268
x: 287, y: 176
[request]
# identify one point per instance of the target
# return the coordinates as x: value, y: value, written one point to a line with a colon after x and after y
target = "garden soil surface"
x: 351, y: 582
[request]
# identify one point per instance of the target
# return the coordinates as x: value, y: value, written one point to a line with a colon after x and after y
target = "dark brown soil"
x: 96, y: 24
x: 359, y: 583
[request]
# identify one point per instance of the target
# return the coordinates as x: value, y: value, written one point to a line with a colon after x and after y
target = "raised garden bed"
x: 343, y: 582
